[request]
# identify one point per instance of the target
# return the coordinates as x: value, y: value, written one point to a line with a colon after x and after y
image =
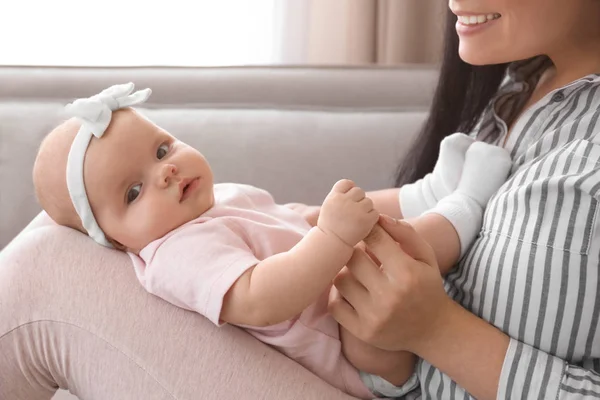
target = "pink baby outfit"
x: 194, y: 266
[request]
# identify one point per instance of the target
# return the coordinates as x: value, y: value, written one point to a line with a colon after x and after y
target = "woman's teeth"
x: 477, y: 19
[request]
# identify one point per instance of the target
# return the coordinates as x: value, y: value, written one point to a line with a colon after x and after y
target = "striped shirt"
x: 533, y: 271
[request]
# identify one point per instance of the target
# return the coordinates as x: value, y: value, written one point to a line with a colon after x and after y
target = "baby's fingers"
x: 367, y: 204
x: 356, y: 194
x: 343, y: 185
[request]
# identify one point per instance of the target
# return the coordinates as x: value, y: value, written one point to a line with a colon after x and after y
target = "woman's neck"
x: 572, y: 63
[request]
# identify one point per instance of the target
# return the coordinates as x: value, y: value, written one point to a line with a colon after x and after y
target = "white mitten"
x: 424, y: 194
x: 485, y: 169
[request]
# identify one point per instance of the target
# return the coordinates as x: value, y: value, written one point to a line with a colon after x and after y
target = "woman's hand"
x: 401, y: 305
x: 395, y: 305
x: 310, y: 213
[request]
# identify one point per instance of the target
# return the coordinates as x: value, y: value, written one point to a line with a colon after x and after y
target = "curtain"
x: 385, y: 32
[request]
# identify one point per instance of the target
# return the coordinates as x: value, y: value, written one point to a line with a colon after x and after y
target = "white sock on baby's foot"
x: 418, y: 197
x: 485, y: 170
x: 448, y: 170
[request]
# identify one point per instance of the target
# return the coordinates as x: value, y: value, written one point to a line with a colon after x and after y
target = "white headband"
x: 95, y: 114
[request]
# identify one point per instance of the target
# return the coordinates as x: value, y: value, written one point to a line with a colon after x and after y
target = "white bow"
x: 96, y: 111
x: 95, y: 114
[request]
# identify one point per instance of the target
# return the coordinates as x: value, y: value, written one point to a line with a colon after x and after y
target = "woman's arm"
x: 491, y: 365
x: 467, y: 349
x: 402, y: 306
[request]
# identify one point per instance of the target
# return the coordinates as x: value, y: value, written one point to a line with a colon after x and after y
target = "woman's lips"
x: 463, y: 29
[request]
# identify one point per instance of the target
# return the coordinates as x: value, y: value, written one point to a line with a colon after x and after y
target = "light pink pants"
x: 72, y: 315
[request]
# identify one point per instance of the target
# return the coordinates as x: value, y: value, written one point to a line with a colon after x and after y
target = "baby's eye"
x: 134, y: 192
x: 162, y: 151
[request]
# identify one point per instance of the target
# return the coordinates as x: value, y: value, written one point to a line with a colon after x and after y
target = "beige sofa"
x: 66, y: 306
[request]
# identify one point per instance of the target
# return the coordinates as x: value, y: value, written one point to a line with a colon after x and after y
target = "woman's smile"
x: 471, y: 24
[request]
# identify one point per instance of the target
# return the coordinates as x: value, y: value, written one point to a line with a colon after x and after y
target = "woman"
x: 519, y: 316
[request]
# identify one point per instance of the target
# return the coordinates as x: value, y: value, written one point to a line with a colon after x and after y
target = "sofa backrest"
x: 292, y: 131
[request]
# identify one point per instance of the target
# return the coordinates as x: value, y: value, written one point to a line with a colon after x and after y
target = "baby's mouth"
x: 185, y: 188
x: 187, y: 185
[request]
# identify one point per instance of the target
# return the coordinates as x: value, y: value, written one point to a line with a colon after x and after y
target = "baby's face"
x: 143, y: 183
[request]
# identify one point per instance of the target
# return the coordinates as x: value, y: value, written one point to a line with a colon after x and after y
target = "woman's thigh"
x: 80, y: 320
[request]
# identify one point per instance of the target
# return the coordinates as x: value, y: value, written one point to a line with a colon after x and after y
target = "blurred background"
x: 220, y: 33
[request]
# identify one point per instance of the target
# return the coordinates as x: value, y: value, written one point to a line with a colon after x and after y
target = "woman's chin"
x: 476, y: 55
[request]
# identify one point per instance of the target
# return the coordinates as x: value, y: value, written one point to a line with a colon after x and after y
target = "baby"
x: 228, y: 251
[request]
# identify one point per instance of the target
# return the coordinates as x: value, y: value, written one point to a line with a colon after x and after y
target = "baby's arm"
x: 281, y: 286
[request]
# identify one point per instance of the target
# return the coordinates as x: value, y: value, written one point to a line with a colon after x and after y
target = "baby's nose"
x: 165, y: 174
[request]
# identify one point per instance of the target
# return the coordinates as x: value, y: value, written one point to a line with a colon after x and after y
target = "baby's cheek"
x: 132, y: 230
x: 153, y: 222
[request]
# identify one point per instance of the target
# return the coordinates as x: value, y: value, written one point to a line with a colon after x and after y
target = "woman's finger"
x: 372, y: 256
x: 351, y: 289
x: 382, y: 246
x: 342, y: 311
x: 365, y: 270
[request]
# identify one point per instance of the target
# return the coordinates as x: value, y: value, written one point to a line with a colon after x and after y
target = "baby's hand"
x: 347, y: 213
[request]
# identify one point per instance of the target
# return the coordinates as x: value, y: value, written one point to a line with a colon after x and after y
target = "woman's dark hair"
x: 461, y: 96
